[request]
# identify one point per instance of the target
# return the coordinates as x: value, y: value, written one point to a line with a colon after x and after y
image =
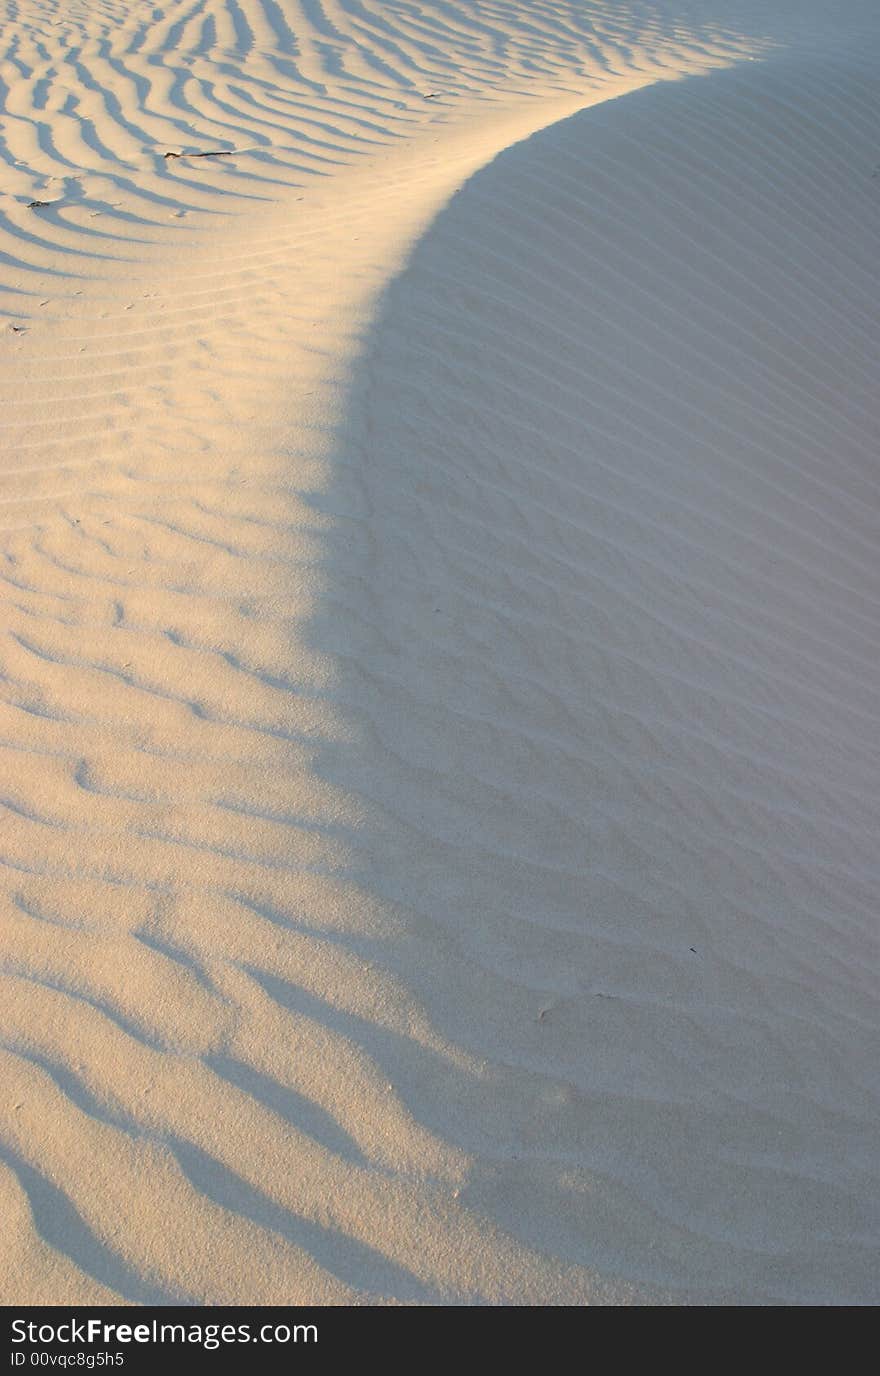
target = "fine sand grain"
x: 439, y: 692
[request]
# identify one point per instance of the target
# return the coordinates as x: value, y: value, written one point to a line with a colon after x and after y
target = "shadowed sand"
x: 439, y: 802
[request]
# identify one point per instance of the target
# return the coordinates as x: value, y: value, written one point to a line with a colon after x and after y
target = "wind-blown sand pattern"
x: 438, y: 739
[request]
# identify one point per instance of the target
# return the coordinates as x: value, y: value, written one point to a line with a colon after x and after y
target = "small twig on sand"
x: 216, y: 153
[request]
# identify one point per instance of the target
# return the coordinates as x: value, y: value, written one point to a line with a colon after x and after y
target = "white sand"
x: 439, y: 760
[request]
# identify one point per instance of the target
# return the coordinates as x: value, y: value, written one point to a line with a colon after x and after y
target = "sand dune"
x: 438, y: 799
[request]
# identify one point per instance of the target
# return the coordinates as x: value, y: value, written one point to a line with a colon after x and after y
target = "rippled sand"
x: 438, y: 731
